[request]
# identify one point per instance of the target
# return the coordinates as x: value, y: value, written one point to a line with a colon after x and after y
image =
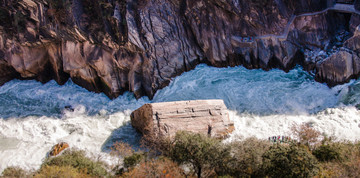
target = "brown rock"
x: 58, y: 148
x: 338, y: 68
x: 138, y: 46
x: 200, y: 116
x: 353, y: 43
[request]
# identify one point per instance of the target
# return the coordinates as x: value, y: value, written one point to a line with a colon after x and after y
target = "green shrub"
x: 289, y: 161
x: 78, y: 160
x: 247, y: 158
x: 328, y: 152
x: 14, y: 172
x: 59, y: 172
x: 348, y: 163
x: 204, y: 154
x: 347, y: 168
x: 133, y: 160
x: 336, y: 151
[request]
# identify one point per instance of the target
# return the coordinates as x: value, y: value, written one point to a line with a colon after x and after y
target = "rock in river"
x: 208, y: 117
x: 58, y: 148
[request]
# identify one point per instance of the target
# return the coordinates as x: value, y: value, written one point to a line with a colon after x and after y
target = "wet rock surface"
x: 116, y: 46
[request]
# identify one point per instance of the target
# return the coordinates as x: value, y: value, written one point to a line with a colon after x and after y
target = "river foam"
x: 32, y: 137
x: 33, y: 117
x: 339, y: 123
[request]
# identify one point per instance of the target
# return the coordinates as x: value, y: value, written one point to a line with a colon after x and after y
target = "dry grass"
x: 161, y: 168
x: 121, y: 149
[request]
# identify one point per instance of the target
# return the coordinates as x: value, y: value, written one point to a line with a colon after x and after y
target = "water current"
x: 33, y: 117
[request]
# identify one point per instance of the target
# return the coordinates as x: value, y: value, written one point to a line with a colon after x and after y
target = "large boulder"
x: 338, y: 68
x: 208, y: 117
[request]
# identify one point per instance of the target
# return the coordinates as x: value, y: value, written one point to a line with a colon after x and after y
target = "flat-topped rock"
x: 209, y: 117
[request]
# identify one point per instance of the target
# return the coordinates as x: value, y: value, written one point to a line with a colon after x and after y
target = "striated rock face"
x: 342, y: 65
x: 338, y: 68
x: 209, y: 117
x: 113, y: 46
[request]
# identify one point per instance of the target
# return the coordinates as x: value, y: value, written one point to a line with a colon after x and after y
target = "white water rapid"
x: 262, y: 104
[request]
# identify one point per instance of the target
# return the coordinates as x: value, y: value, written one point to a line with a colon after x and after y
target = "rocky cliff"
x: 113, y: 46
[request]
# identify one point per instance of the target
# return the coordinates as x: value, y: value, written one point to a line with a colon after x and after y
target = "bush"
x: 331, y: 169
x: 133, y: 160
x: 77, y: 160
x: 352, y: 167
x: 336, y: 151
x: 124, y: 150
x: 289, y: 161
x: 14, y: 172
x: 247, y: 158
x: 204, y: 154
x: 328, y: 152
x: 121, y: 149
x: 156, y: 168
x: 347, y: 166
x: 59, y: 172
x: 306, y: 134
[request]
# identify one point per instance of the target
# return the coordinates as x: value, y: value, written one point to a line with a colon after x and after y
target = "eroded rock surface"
x: 338, y: 68
x: 209, y: 117
x: 113, y: 46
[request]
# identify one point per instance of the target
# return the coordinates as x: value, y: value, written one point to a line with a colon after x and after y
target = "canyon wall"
x: 113, y: 46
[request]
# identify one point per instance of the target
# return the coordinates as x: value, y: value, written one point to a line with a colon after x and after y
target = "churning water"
x: 262, y: 104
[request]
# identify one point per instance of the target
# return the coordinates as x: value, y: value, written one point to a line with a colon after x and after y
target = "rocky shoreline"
x: 117, y: 46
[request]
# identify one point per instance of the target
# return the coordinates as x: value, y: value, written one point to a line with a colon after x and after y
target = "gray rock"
x: 208, y: 117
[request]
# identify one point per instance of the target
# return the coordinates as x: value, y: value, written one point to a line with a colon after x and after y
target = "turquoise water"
x: 252, y: 91
x: 31, y: 98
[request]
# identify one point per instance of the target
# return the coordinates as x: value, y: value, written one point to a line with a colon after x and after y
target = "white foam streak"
x: 342, y: 123
x: 33, y: 137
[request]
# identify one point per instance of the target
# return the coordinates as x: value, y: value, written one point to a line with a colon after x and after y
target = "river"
x: 33, y: 117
